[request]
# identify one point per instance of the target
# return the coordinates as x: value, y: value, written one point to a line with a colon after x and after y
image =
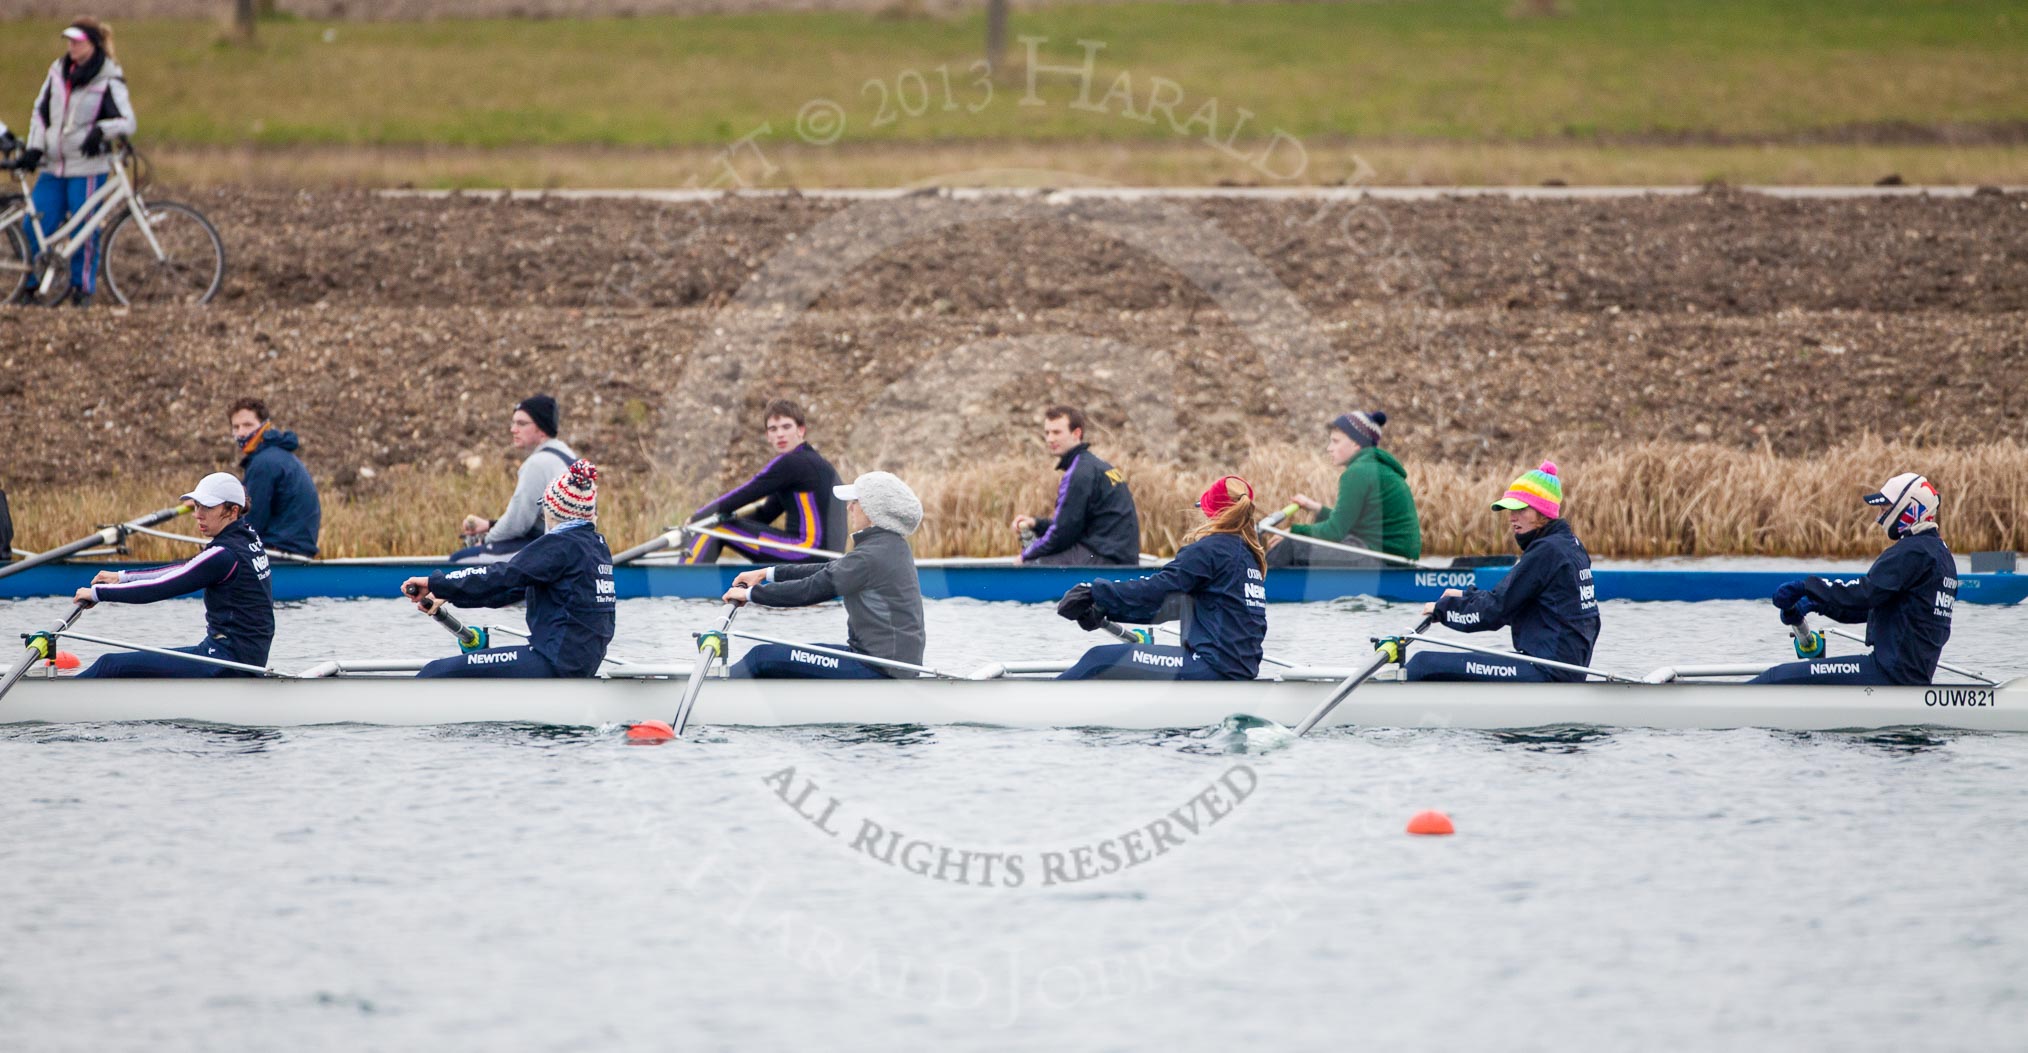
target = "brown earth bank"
x: 1723, y: 251
x: 395, y: 334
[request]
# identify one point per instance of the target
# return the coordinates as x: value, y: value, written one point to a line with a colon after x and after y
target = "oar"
x: 470, y: 638
x: 713, y: 646
x: 769, y: 543
x: 1388, y: 651
x: 1279, y: 516
x: 182, y: 656
x: 668, y: 540
x: 1809, y: 645
x: 1546, y: 663
x: 888, y: 663
x: 1384, y: 557
x: 1958, y: 669
x: 41, y: 646
x: 109, y: 536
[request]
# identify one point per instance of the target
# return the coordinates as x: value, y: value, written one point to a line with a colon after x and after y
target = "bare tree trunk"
x: 243, y: 18
x: 996, y: 34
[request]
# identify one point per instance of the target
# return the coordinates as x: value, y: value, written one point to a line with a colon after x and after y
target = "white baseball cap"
x: 218, y: 488
x: 74, y: 33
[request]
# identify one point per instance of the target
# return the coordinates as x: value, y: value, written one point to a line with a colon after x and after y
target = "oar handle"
x: 470, y: 637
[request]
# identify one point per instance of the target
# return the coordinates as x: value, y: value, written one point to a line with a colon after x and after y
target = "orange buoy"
x: 67, y: 660
x: 1431, y: 822
x: 650, y: 731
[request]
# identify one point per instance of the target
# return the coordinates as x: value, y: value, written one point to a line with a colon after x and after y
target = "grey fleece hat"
x: 886, y: 500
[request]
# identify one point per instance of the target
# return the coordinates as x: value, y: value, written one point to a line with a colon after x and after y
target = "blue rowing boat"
x: 1005, y: 583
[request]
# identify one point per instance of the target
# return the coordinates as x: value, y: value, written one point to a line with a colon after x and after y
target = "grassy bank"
x: 1642, y: 500
x: 1394, y: 70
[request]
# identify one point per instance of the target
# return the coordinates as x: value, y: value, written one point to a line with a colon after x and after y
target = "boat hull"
x: 1037, y: 584
x: 1110, y: 704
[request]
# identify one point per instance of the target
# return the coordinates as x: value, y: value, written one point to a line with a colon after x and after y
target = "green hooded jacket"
x: 1375, y: 508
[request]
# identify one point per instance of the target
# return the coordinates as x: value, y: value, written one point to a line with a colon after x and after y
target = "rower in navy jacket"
x: 239, y: 609
x: 1221, y: 570
x: 1905, y: 599
x: 877, y: 581
x: 1094, y: 522
x: 1547, y: 598
x: 566, y: 577
x: 796, y: 487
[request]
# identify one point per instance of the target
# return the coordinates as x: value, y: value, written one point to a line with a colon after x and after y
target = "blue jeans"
x: 494, y: 663
x: 141, y: 664
x: 776, y: 662
x: 1125, y: 661
x: 1466, y: 666
x: 1857, y: 670
x: 56, y: 197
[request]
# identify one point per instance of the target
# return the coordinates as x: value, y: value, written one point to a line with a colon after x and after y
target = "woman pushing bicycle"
x: 82, y: 109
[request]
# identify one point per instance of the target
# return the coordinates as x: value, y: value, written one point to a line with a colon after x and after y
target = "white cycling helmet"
x: 1908, y: 505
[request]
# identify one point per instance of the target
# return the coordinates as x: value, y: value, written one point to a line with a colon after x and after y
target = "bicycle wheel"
x: 190, y: 268
x: 13, y: 251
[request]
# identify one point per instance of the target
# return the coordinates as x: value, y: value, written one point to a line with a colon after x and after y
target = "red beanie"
x: 1218, y: 497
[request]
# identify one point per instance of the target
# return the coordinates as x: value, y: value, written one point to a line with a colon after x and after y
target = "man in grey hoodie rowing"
x: 533, y: 431
x: 883, y: 600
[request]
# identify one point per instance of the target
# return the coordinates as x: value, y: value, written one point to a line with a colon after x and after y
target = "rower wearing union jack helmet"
x: 1905, y: 599
x: 565, y: 576
x: 1547, y: 599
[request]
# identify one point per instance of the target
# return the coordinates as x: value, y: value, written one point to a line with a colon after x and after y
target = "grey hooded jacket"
x: 64, y: 117
x: 883, y: 600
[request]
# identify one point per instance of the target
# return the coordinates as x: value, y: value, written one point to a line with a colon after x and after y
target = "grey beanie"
x: 886, y: 500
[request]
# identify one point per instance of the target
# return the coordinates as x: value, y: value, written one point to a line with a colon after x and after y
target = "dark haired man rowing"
x: 795, y: 487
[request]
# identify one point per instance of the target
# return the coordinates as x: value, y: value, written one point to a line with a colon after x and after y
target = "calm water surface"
x: 502, y: 887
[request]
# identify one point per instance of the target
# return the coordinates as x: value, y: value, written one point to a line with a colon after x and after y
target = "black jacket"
x: 883, y: 599
x: 566, y: 576
x: 239, y: 608
x: 1093, y: 506
x: 1905, y: 599
x: 1547, y: 599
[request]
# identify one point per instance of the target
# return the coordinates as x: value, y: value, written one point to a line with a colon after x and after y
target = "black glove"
x: 1078, y: 606
x: 1790, y: 592
x: 1795, y: 612
x: 30, y: 160
x: 95, y: 142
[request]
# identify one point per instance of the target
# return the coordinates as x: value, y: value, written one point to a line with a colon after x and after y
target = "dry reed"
x: 1642, y: 500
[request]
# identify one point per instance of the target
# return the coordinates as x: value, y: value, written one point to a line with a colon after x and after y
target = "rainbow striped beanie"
x: 1539, y: 489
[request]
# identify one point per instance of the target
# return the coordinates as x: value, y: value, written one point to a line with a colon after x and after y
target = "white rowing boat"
x: 644, y: 693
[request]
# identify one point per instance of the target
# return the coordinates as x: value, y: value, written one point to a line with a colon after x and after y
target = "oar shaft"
x: 1547, y: 663
x: 712, y: 647
x: 1381, y: 656
x: 888, y: 663
x: 1958, y: 669
x: 767, y: 543
x: 1386, y: 557
x: 170, y: 653
x: 35, y: 654
x: 109, y: 536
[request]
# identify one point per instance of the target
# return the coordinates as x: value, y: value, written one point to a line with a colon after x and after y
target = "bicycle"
x: 152, y: 251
